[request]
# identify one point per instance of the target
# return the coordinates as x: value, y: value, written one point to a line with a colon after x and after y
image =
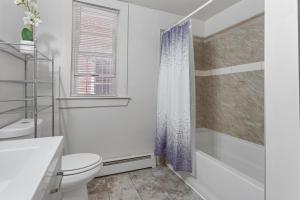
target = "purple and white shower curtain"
x: 173, y: 136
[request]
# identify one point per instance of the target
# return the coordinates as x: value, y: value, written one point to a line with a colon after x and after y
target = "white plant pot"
x: 27, y: 47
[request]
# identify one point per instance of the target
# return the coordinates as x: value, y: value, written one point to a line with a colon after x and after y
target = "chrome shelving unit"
x: 36, y: 57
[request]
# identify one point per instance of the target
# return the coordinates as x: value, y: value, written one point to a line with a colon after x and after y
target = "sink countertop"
x: 23, y: 165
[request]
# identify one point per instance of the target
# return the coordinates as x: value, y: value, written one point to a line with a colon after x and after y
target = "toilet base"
x: 80, y: 193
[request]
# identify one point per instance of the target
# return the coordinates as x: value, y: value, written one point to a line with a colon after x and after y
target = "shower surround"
x: 232, y: 103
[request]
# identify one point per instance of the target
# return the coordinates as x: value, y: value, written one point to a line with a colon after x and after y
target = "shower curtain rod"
x: 191, y: 14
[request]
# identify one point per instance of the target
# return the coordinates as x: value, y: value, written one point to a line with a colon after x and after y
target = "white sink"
x: 15, y: 161
x: 24, y: 164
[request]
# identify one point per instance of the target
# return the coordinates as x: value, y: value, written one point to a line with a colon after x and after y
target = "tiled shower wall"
x: 232, y: 103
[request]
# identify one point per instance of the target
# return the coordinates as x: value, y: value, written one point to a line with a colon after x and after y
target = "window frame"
x: 65, y: 99
x: 75, y: 52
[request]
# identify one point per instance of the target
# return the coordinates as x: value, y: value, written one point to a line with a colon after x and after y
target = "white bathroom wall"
x: 238, y: 12
x: 282, y: 100
x: 113, y: 132
x: 11, y: 21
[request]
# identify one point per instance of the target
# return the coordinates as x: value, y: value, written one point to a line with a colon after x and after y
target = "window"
x: 94, y: 50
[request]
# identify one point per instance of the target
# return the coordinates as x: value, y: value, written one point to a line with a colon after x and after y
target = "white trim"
x: 90, y: 98
x: 91, y: 102
x: 282, y: 135
x: 257, y: 66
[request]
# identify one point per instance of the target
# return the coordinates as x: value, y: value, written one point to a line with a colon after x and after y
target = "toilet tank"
x: 22, y: 129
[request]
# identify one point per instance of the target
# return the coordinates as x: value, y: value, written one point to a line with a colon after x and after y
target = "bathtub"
x: 227, y: 168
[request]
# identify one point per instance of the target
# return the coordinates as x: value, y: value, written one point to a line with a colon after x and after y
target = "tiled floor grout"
x: 106, y: 187
x: 135, y: 188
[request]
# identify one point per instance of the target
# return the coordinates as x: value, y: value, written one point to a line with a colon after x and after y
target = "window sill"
x: 92, y: 102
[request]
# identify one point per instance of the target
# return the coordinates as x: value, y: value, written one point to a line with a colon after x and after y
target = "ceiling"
x: 184, y: 7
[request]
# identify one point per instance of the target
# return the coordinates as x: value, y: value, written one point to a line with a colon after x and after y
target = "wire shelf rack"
x: 14, y: 50
x: 35, y: 56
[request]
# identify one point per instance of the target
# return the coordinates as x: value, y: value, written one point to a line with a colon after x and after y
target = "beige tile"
x: 161, y: 184
x: 147, y: 184
x: 120, y: 187
x: 99, y: 196
x: 241, y: 44
x: 232, y: 104
x: 185, y: 196
x: 198, y: 52
x: 124, y: 194
x: 98, y: 189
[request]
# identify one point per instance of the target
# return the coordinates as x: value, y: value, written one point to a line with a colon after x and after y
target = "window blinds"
x: 94, y: 50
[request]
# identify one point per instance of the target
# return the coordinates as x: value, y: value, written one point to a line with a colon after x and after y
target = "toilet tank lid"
x: 78, y: 161
x: 19, y: 128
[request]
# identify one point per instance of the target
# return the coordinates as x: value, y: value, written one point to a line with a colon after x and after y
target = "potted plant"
x: 31, y: 20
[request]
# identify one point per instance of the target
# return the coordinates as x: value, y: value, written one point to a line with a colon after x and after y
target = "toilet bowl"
x: 78, y: 170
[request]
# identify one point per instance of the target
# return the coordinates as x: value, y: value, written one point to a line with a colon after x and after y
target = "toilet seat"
x: 79, y: 163
x: 78, y: 170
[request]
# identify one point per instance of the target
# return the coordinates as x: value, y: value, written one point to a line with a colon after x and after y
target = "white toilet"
x: 21, y: 129
x: 78, y: 169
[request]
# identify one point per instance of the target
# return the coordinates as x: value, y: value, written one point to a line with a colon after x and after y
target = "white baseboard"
x: 128, y: 163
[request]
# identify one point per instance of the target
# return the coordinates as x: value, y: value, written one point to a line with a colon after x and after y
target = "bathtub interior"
x: 244, y: 156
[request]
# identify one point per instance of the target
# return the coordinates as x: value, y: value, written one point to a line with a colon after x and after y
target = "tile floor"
x: 146, y: 184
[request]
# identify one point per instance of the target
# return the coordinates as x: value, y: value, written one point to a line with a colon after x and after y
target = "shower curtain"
x: 174, y: 125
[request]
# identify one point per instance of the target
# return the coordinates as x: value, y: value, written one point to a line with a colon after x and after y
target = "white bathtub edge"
x: 233, y: 171
x: 244, y: 142
x: 237, y: 153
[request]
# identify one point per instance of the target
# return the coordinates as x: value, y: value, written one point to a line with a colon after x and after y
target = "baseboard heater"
x: 126, y: 160
x: 125, y: 164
